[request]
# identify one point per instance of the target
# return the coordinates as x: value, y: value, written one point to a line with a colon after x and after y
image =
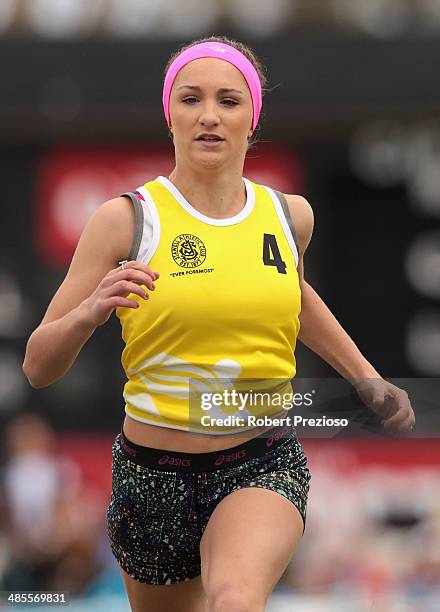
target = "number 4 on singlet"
x: 272, y: 255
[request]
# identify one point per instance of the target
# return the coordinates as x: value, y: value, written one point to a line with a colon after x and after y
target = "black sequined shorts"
x: 161, y: 501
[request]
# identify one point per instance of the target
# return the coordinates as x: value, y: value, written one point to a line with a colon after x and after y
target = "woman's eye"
x: 226, y: 102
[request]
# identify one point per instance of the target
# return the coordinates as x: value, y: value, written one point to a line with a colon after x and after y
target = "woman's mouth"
x: 210, y: 142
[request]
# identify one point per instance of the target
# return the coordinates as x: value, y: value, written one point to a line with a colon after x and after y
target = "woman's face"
x: 210, y: 96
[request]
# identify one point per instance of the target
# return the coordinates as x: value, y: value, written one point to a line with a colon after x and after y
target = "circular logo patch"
x: 188, y: 251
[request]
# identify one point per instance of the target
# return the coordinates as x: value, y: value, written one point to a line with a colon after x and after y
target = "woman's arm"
x: 93, y: 287
x: 323, y: 334
x: 320, y: 330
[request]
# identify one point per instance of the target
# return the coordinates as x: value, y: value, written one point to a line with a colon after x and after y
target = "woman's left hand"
x: 388, y: 401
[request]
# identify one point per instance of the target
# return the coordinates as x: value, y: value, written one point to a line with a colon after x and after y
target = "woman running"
x: 199, y: 520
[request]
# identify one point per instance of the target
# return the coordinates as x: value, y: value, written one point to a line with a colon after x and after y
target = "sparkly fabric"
x: 156, y: 518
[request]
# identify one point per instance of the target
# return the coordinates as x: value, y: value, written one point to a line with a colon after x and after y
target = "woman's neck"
x: 215, y: 195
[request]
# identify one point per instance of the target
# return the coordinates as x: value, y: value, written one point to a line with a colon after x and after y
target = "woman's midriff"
x: 169, y: 439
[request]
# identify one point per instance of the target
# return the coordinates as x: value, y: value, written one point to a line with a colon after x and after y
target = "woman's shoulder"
x: 302, y: 217
x: 113, y: 222
x: 301, y: 214
x: 299, y: 205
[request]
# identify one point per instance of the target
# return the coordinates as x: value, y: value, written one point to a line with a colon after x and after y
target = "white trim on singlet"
x: 244, y: 212
x: 151, y: 230
x: 283, y: 222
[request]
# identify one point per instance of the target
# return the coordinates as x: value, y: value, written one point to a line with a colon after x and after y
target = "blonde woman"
x: 211, y: 287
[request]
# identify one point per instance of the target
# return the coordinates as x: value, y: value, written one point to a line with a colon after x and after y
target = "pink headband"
x: 220, y: 51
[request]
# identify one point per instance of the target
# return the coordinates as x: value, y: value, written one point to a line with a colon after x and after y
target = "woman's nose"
x: 209, y: 114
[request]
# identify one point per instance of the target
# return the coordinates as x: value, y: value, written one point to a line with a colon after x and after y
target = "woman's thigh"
x: 186, y: 596
x: 253, y: 531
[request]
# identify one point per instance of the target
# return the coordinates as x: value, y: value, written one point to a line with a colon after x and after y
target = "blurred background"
x: 352, y: 122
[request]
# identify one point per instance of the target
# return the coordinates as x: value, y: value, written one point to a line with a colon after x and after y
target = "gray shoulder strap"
x: 138, y: 224
x: 289, y: 220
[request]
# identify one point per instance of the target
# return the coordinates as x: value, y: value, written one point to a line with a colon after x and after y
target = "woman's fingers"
x: 403, y: 418
x: 135, y: 276
x: 401, y: 421
x: 136, y: 265
x: 388, y: 401
x: 116, y: 301
x: 124, y: 288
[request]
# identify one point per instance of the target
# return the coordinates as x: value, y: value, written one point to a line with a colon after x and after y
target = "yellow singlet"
x: 224, y: 315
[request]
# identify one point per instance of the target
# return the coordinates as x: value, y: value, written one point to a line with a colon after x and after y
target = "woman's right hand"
x: 114, y: 288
